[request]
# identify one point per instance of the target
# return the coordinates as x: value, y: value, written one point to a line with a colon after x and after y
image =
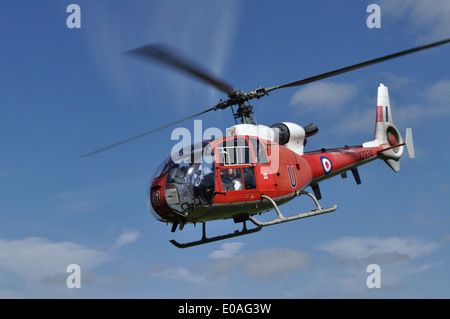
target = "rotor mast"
x: 241, y: 99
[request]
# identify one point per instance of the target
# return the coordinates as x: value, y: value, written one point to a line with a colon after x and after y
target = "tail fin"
x: 386, y: 133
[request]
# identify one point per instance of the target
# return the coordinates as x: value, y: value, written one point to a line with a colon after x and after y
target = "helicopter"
x: 256, y: 168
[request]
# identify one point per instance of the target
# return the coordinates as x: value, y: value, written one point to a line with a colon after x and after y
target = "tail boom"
x: 386, y: 133
x: 327, y: 163
x: 388, y: 145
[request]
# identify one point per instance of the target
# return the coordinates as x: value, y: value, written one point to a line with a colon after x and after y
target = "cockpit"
x: 186, y: 181
x: 190, y: 180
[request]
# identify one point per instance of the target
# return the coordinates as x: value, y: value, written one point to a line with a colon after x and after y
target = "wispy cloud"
x: 432, y: 102
x: 129, y: 236
x: 33, y: 258
x: 262, y: 265
x: 202, y: 30
x: 339, y: 272
x: 324, y: 96
x: 426, y: 102
x: 361, y: 248
x: 439, y: 93
x: 428, y: 20
x: 345, y: 272
x: 273, y: 264
x: 227, y: 250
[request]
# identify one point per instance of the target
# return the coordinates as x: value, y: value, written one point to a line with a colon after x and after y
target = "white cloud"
x: 227, y: 250
x: 343, y: 273
x: 324, y: 95
x: 360, y: 248
x: 275, y: 263
x: 202, y: 30
x: 33, y: 258
x: 427, y: 19
x: 340, y: 274
x: 439, y: 92
x: 28, y: 264
x: 267, y: 264
x: 431, y: 103
x: 128, y: 236
x: 356, y: 121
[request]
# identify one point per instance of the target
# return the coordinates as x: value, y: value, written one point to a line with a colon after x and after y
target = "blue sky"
x: 65, y: 92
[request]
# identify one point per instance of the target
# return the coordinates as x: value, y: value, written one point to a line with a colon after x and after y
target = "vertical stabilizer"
x: 385, y: 131
x: 383, y: 105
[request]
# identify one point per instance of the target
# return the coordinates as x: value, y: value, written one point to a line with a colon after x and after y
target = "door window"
x: 235, y: 179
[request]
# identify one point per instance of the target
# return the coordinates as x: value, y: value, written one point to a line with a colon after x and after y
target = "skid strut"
x: 282, y: 219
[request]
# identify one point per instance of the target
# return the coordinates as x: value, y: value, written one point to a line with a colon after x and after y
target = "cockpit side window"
x: 236, y: 179
x: 190, y: 178
x: 234, y: 151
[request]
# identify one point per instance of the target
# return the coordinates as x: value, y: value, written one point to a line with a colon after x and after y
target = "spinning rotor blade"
x: 356, y: 66
x: 143, y: 134
x: 165, y: 55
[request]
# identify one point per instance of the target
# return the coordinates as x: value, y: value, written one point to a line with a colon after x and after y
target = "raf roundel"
x: 326, y: 165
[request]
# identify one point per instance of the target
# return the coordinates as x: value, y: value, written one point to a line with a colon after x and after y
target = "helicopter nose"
x: 157, y: 200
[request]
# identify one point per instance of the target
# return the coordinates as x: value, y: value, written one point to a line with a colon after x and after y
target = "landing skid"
x: 282, y: 219
x: 206, y: 240
x: 260, y: 225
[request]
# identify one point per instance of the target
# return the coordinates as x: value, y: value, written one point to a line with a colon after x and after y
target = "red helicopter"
x: 256, y: 168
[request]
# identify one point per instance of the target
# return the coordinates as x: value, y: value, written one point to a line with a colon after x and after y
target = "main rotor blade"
x: 164, y: 54
x: 356, y: 66
x: 143, y: 134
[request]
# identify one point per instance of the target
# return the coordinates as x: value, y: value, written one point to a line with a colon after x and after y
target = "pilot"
x: 231, y: 179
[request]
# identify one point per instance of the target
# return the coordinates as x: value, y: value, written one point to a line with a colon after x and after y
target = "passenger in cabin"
x: 231, y: 179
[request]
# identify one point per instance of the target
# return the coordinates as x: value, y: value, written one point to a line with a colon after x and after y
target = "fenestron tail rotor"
x: 163, y: 54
